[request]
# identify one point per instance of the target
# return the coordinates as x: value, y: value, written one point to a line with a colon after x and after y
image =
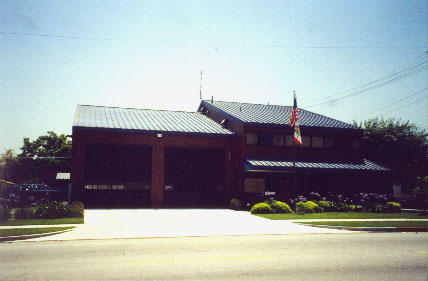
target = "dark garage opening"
x: 194, y: 178
x: 117, y: 176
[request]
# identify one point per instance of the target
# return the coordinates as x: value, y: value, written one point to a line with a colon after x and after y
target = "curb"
x: 30, y: 236
x: 374, y: 229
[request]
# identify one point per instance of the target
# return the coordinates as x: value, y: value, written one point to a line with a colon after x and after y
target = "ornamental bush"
x: 235, y: 204
x: 393, y: 207
x: 75, y: 210
x: 261, y: 208
x: 5, y: 213
x: 281, y: 207
x: 324, y: 206
x: 54, y: 210
x: 22, y: 213
x: 308, y: 207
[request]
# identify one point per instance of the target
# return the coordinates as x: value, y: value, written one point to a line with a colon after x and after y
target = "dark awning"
x: 253, y: 165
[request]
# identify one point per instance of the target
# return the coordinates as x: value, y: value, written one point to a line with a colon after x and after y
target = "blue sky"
x: 149, y: 54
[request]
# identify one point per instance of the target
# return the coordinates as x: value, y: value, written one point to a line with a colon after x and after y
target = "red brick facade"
x: 83, y: 138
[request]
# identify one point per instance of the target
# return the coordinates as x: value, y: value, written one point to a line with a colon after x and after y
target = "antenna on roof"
x: 200, y: 87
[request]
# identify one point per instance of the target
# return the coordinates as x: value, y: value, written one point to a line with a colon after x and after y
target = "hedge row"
x: 270, y: 207
x: 47, y: 210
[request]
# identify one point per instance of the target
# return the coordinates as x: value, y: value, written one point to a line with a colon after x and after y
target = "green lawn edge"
x: 43, y: 221
x: 31, y: 231
x: 339, y: 215
x: 370, y: 223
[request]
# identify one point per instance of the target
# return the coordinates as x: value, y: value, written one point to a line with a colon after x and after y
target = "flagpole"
x: 294, y: 175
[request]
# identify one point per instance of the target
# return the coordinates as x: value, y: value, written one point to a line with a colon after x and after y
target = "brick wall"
x: 84, y: 137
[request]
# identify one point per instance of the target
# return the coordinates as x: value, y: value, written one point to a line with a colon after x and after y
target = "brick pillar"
x: 158, y: 176
x: 77, y: 171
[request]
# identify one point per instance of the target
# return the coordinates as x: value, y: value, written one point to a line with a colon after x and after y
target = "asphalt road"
x: 354, y: 256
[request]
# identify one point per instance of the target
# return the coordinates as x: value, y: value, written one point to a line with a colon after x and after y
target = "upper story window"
x: 251, y: 138
x: 278, y: 140
x: 306, y: 141
x: 329, y: 142
x: 264, y: 139
x: 289, y: 140
x: 318, y: 142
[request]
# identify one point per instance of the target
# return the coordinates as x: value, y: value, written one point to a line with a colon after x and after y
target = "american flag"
x: 294, y: 112
x: 294, y: 122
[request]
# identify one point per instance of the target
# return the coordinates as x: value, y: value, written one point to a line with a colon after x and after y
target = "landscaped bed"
x: 342, y: 215
x: 43, y: 221
x: 371, y: 223
x: 30, y: 231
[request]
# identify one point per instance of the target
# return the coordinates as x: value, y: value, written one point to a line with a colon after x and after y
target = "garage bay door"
x: 194, y: 178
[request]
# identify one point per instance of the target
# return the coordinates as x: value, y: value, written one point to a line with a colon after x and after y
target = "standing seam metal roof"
x: 89, y: 116
x: 367, y: 165
x: 249, y: 113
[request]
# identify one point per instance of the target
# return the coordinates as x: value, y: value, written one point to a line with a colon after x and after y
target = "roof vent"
x: 240, y: 109
x: 212, y: 99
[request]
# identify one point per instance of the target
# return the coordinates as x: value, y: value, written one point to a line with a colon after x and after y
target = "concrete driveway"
x: 137, y: 223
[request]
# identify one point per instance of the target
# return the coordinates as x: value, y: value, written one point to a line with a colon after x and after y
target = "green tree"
x: 9, y: 166
x: 398, y: 145
x: 41, y: 159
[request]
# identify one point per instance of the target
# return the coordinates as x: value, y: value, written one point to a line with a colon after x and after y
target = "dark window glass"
x: 265, y: 139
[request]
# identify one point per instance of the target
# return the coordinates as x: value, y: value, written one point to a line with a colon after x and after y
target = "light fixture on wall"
x: 159, y: 135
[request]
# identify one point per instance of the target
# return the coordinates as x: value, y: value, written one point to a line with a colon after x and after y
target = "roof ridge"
x: 249, y: 103
x: 148, y: 109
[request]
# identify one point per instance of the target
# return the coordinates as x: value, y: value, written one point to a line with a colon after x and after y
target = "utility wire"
x: 401, y: 107
x: 207, y: 44
x: 365, y: 90
x: 394, y: 103
x: 407, y: 66
x: 359, y: 95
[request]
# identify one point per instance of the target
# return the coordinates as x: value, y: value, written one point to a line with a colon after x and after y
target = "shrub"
x: 75, y: 210
x: 338, y: 207
x: 351, y: 208
x: 54, y: 209
x: 324, y: 206
x: 393, y: 207
x: 281, y: 207
x: 22, y: 214
x: 235, y: 204
x: 261, y: 208
x: 374, y: 208
x: 308, y: 207
x: 5, y: 213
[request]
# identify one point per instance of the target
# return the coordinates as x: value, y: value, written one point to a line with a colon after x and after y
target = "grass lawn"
x: 345, y: 215
x: 372, y: 223
x: 28, y: 231
x: 44, y: 221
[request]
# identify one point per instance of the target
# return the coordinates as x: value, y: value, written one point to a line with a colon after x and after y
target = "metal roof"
x: 162, y: 121
x: 268, y: 165
x: 262, y: 114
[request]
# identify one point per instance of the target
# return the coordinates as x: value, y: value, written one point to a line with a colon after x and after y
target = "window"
x: 289, y: 140
x: 306, y: 141
x: 329, y: 142
x: 317, y: 142
x: 251, y: 138
x: 264, y: 139
x: 278, y: 140
x: 254, y: 185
